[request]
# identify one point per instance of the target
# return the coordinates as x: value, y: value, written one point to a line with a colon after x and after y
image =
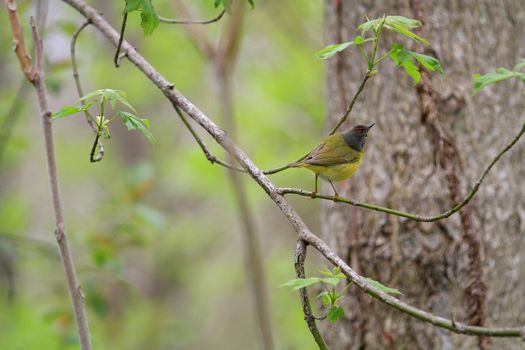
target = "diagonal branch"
x: 169, y: 90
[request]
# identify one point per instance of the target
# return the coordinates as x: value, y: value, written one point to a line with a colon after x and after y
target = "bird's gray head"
x: 356, y: 138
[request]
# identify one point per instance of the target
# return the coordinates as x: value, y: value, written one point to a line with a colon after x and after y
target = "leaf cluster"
x: 330, y: 297
x: 397, y: 54
x: 115, y: 98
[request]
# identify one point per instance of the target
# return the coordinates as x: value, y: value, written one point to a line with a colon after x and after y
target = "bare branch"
x: 116, y: 59
x: 36, y: 76
x: 192, y: 21
x: 352, y: 102
x: 18, y: 42
x: 293, y: 217
x: 300, y: 256
x: 201, y: 143
x: 89, y: 118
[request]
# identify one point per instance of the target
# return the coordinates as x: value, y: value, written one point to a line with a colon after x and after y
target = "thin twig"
x: 351, y: 105
x: 116, y: 59
x: 36, y: 76
x: 192, y: 21
x: 89, y: 118
x: 300, y: 256
x: 411, y: 216
x: 18, y: 42
x: 201, y: 143
x: 293, y: 217
x: 13, y: 112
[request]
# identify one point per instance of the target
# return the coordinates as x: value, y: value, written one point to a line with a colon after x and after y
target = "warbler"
x: 338, y: 157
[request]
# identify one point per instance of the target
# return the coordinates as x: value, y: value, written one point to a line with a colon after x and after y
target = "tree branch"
x: 89, y: 118
x: 192, y: 21
x: 293, y: 217
x: 300, y: 256
x: 352, y: 102
x: 18, y: 42
x: 36, y: 76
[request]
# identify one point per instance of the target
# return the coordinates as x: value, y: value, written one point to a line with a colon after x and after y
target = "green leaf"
x: 225, y: 3
x: 372, y: 25
x: 325, y: 298
x: 110, y: 95
x: 405, y: 22
x: 402, y: 58
x: 334, y: 281
x: 358, y: 40
x: 135, y: 123
x: 69, y: 110
x: 252, y: 3
x: 336, y: 312
x: 397, y: 24
x: 406, y: 59
x: 114, y: 96
x: 481, y: 81
x: 405, y: 32
x: 331, y: 50
x: 382, y: 287
x: 149, y: 18
x: 299, y: 283
x: 429, y: 62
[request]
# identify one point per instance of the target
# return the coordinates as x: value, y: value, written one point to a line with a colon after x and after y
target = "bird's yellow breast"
x: 338, y: 172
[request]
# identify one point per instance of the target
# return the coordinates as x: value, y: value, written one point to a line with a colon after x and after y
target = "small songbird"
x: 338, y: 157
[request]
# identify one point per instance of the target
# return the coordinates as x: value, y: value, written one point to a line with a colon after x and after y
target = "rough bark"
x: 429, y: 262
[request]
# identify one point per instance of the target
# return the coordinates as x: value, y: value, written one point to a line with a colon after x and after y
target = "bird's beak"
x: 371, y: 125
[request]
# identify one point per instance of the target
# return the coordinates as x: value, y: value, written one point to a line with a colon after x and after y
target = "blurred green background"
x: 154, y: 229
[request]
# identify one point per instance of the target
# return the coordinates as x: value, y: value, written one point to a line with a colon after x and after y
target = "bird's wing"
x: 333, y: 151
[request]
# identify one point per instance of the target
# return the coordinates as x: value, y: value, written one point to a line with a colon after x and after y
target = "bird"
x: 338, y: 157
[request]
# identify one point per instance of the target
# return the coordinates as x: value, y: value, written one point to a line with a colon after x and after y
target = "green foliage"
x: 114, y: 98
x: 149, y: 18
x: 335, y: 313
x: 69, y: 110
x: 403, y: 58
x: 110, y: 95
x: 481, y: 81
x: 407, y: 59
x: 382, y: 287
x: 397, y: 24
x: 330, y: 297
x: 135, y: 123
x: 331, y: 50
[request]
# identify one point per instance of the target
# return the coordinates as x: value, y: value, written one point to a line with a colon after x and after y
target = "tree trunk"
x: 433, y: 264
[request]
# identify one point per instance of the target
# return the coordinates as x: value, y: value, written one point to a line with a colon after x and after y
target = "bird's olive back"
x: 356, y: 138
